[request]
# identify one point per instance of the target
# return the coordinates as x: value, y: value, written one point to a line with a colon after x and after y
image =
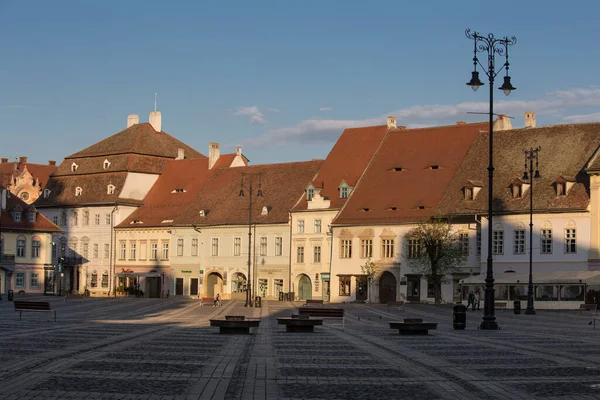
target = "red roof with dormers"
x: 8, y: 223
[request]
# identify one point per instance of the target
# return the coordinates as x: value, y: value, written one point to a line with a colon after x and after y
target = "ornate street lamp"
x: 249, y: 187
x: 531, y: 155
x: 492, y: 46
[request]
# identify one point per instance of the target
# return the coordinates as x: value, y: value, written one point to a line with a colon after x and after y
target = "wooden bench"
x: 311, y: 302
x: 399, y: 304
x: 588, y: 307
x: 334, y: 313
x: 500, y: 305
x: 299, y: 323
x: 413, y: 326
x: 34, y: 306
x: 235, y: 326
x: 74, y: 296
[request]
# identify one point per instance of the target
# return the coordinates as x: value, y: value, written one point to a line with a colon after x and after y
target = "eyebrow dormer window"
x: 106, y: 164
x: 179, y: 190
x: 74, y: 167
x: 110, y: 189
x: 398, y: 169
x: 78, y: 191
x: 434, y: 167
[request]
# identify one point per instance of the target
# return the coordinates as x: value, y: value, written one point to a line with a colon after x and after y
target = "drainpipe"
x: 330, y: 258
x: 290, y: 260
x: 113, y: 237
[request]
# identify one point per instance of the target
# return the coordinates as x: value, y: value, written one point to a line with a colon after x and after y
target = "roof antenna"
x: 155, y: 94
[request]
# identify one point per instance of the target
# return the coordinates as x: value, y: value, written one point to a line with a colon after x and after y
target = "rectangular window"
x: 478, y: 240
x: 317, y: 254
x: 123, y: 251
x: 346, y: 248
x: 165, y: 251
x: 570, y: 241
x: 63, y: 218
x: 463, y: 243
x: 105, y: 280
x: 278, y: 246
x: 344, y: 191
x: 132, y: 251
x: 414, y: 248
x: 546, y: 239
x: 34, y: 281
x: 519, y: 241
x: 179, y: 247
x: 85, y: 250
x: 96, y: 219
x: 94, y: 280
x: 86, y: 218
x: 366, y: 248
x: 237, y: 246
x: 387, y: 248
x: 143, y: 250
x: 278, y: 286
x: 74, y: 218
x: 497, y: 242
x: 263, y: 287
x: 194, y: 247
x: 106, y: 250
x: 317, y: 226
x: 55, y: 219
x: 107, y: 219
x: 21, y: 243
x: 345, y: 285
x: 215, y: 247
x: 95, y: 250
x: 300, y: 226
x: 35, y: 248
x: 154, y: 251
x: 300, y: 254
x: 263, y: 246
x: 19, y: 279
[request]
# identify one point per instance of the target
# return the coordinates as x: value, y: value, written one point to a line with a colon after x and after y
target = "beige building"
x: 25, y: 180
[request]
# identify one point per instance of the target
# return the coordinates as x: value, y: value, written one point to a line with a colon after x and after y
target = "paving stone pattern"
x: 128, y: 348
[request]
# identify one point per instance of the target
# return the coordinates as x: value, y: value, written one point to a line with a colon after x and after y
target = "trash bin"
x: 517, y: 307
x: 11, y: 295
x: 280, y: 296
x: 459, y: 316
x: 257, y: 301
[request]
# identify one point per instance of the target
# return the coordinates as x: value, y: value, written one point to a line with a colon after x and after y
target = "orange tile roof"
x: 385, y: 195
x: 346, y: 161
x: 41, y: 224
x: 40, y: 172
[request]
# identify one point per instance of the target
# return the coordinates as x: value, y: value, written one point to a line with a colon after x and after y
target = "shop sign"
x: 186, y: 271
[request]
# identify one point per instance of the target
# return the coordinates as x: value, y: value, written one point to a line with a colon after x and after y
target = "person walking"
x: 471, y: 301
x: 477, y: 300
x: 217, y: 300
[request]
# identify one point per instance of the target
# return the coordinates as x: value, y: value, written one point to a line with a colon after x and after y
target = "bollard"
x: 459, y: 316
x: 517, y: 307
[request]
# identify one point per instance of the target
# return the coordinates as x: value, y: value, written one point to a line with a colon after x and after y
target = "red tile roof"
x: 41, y: 224
x: 40, y: 172
x: 346, y: 161
x: 408, y: 175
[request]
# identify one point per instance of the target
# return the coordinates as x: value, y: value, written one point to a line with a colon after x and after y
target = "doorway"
x: 238, y: 286
x: 214, y: 285
x: 179, y: 286
x: 153, y: 287
x: 304, y: 288
x: 361, y: 288
x: 193, y: 286
x: 387, y: 287
x: 413, y: 288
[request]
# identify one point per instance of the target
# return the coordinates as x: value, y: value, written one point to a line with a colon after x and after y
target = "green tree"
x: 370, y: 269
x: 432, y: 248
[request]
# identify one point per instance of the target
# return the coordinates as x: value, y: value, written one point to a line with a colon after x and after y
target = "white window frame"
x: 279, y: 246
x: 519, y: 241
x: 570, y: 241
x: 180, y: 247
x: 317, y: 227
x: 194, y: 250
x: 19, y: 280
x: 263, y: 246
x: 387, y: 248
x: 132, y: 250
x: 345, y: 248
x: 237, y: 246
x: 546, y: 245
x: 165, y: 251
x: 366, y: 248
x: 300, y: 226
x: 498, y: 241
x: 214, y: 251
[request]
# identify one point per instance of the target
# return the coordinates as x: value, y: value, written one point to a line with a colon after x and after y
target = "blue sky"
x: 280, y: 78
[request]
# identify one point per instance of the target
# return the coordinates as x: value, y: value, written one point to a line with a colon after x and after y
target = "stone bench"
x: 235, y: 326
x: 235, y: 317
x: 413, y: 326
x: 299, y: 323
x: 313, y: 302
x: 34, y: 306
x: 500, y: 305
x: 334, y: 313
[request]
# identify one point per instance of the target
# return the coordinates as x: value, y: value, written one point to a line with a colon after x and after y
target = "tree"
x: 369, y: 269
x: 433, y: 249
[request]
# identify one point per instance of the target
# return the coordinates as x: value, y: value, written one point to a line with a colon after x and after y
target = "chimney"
x: 391, y: 122
x: 156, y: 121
x: 23, y: 159
x: 461, y: 123
x: 180, y: 154
x: 502, y: 123
x: 3, y: 200
x: 238, y: 151
x: 132, y: 119
x: 529, y: 119
x: 214, y: 152
x: 52, y: 163
x: 3, y: 160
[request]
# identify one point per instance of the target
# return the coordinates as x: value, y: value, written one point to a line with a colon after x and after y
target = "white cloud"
x: 256, y: 117
x: 577, y: 119
x: 325, y: 109
x: 273, y: 109
x: 552, y: 104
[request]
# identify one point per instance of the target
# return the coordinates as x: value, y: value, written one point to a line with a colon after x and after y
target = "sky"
x: 280, y: 78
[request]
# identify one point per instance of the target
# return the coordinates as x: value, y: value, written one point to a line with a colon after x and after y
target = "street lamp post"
x: 250, y: 188
x: 492, y: 46
x: 531, y: 155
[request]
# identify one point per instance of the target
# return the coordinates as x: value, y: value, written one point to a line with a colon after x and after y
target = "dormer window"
x: 179, y: 190
x: 265, y: 210
x: 16, y: 215
x: 471, y: 189
x: 344, y: 190
x: 434, y: 167
x: 518, y: 188
x: 31, y: 216
x: 562, y: 186
x: 398, y: 169
x: 110, y: 189
x: 364, y: 209
x: 202, y: 213
x: 47, y: 193
x: 78, y: 191
x: 392, y: 208
x: 74, y: 167
x: 469, y: 193
x: 106, y: 164
x: 310, y: 194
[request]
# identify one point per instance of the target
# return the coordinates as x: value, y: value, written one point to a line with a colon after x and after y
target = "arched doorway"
x: 387, y: 287
x: 238, y: 286
x: 304, y: 288
x: 214, y: 285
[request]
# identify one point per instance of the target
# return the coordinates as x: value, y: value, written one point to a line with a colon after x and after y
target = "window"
x: 300, y: 254
x: 517, y: 190
x: 179, y: 247
x: 346, y: 248
x: 86, y: 218
x: 132, y: 250
x: 105, y: 279
x: 94, y: 280
x: 278, y: 285
x: 215, y: 247
x: 478, y: 239
x: 74, y: 218
x: 497, y: 242
x: 310, y: 194
x: 366, y: 248
x: 263, y: 287
x: 47, y: 193
x: 278, y: 246
x: 107, y: 219
x: 95, y: 252
x: 19, y: 279
x: 106, y: 250
x: 31, y: 217
x: 300, y: 226
x: 110, y: 189
x: 85, y: 250
x: 17, y: 216
x: 154, y: 251
x: 468, y: 193
x: 143, y: 250
x: 463, y: 243
x: 21, y: 244
x: 106, y: 164
x: 570, y: 241
x: 237, y: 246
x: 546, y: 239
x: 34, y: 280
x: 63, y: 218
x: 345, y: 285
x: 123, y: 251
x: 317, y: 226
x: 97, y: 219
x: 317, y: 254
x: 519, y: 241
x: 414, y: 248
x: 165, y: 251
x: 74, y: 167
x: 561, y: 188
x: 263, y: 246
x: 35, y: 247
x: 194, y: 247
x: 55, y: 219
x: 387, y: 248
x: 344, y: 192
x: 78, y: 191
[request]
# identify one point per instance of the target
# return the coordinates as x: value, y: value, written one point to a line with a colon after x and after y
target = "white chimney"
x: 238, y: 151
x: 214, y: 152
x: 132, y: 119
x: 156, y: 121
x: 180, y: 154
x: 3, y: 201
x: 391, y: 122
x: 529, y: 119
x: 502, y: 123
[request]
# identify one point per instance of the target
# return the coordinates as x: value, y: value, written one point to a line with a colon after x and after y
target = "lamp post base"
x: 530, y: 311
x: 489, y: 325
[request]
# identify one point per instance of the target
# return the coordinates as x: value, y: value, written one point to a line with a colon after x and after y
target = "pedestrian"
x: 471, y: 300
x: 217, y: 300
x: 477, y: 300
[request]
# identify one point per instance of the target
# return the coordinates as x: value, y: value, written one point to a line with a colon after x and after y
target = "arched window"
x: 36, y: 244
x: 106, y: 164
x: 94, y: 279
x: 74, y: 167
x: 78, y: 191
x: 110, y: 189
x: 21, y: 245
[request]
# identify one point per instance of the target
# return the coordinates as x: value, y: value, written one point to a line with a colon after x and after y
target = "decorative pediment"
x: 346, y: 234
x: 388, y: 234
x: 368, y: 233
